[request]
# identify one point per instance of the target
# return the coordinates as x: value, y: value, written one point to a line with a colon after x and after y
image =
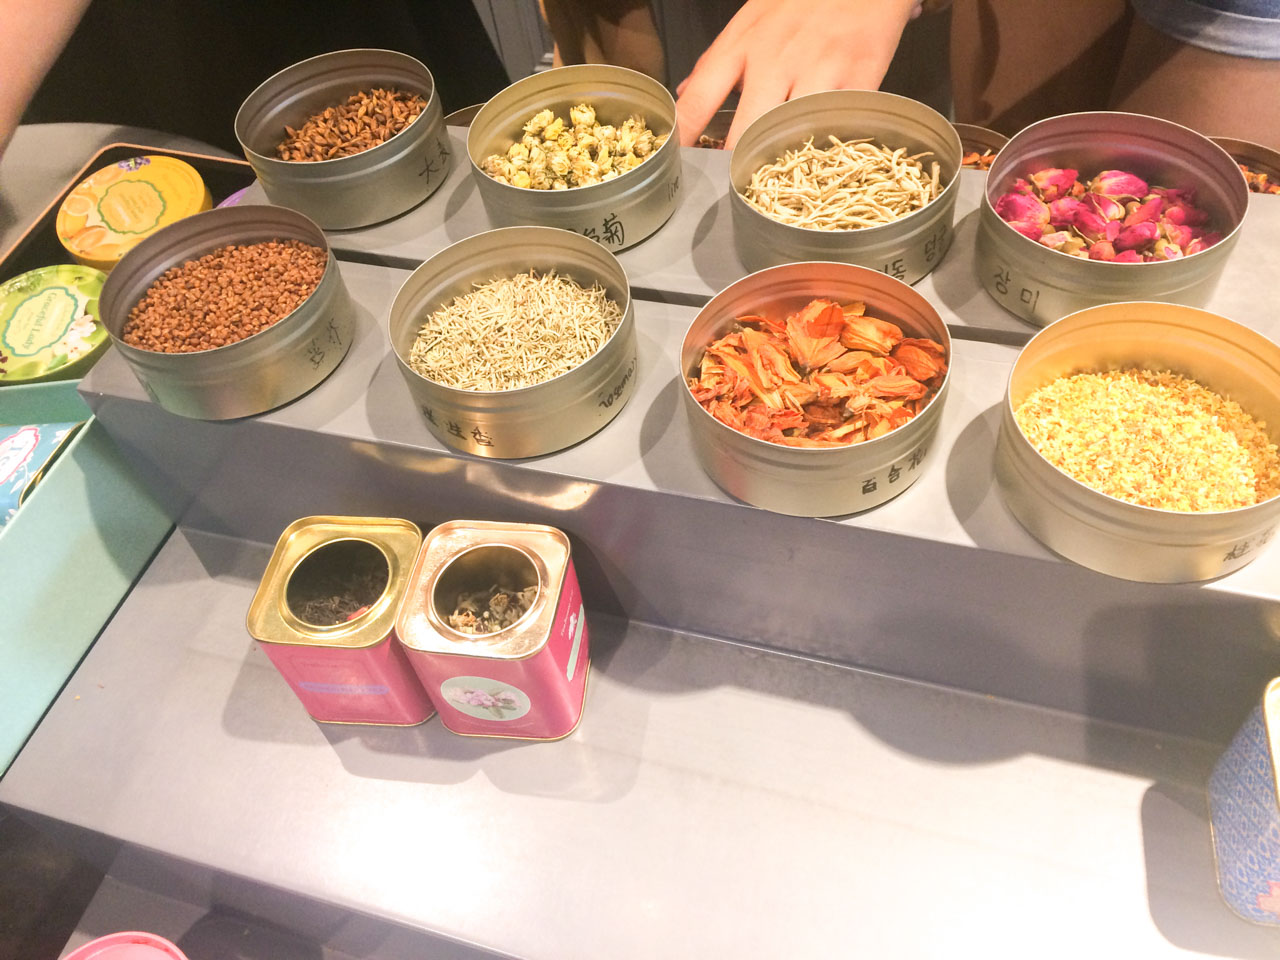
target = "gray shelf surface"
x: 716, y: 801
x: 899, y: 733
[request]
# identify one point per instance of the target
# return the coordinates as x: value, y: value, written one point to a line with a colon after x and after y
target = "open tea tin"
x: 1244, y: 813
x: 526, y: 680
x: 345, y: 666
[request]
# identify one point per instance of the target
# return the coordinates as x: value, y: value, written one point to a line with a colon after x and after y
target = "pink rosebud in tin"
x: 1139, y: 235
x: 1118, y: 183
x: 1054, y: 183
x: 1176, y: 232
x: 1181, y: 212
x: 1020, y: 206
x: 1113, y: 230
x: 1062, y: 213
x: 1128, y: 256
x: 1102, y: 250
x: 1175, y: 194
x: 1092, y: 226
x: 1056, y: 241
x: 1167, y: 250
x: 1210, y: 237
x: 1147, y: 210
x: 1021, y: 185
x: 1195, y: 246
x: 1107, y: 207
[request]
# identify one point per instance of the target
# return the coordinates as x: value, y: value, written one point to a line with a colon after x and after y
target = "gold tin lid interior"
x: 1271, y: 724
x: 310, y: 546
x: 466, y: 556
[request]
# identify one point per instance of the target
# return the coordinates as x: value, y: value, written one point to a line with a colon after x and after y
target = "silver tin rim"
x: 907, y: 248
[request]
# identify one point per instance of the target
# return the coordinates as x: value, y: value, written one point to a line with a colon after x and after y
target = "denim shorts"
x: 1241, y: 28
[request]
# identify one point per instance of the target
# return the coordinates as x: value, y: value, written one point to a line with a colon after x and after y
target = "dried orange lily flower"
x: 826, y: 376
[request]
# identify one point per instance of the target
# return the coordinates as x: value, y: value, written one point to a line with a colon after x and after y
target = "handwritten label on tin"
x: 871, y: 484
x: 611, y: 232
x: 610, y: 398
x: 1028, y: 297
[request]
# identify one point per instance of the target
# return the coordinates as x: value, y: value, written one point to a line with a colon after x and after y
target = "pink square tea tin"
x: 325, y: 615
x: 494, y: 625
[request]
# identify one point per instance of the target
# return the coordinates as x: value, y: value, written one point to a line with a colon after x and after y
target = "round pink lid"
x: 132, y: 945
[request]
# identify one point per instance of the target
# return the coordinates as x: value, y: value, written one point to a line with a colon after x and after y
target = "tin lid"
x: 49, y: 327
x: 131, y: 945
x: 115, y: 208
x: 465, y: 556
x: 311, y: 553
x: 1271, y: 722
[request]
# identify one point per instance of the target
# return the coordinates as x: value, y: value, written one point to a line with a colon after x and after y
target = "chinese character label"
x: 335, y: 336
x: 673, y: 187
x: 482, y: 438
x: 894, y: 473
x: 455, y: 429
x: 315, y: 355
x: 868, y: 486
x: 428, y: 413
x: 917, y: 457
x: 614, y: 235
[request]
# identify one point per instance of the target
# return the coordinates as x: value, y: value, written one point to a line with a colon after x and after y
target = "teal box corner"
x: 67, y: 558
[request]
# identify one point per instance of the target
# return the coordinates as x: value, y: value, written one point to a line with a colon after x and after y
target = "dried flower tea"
x: 514, y: 332
x: 555, y: 155
x: 1154, y: 438
x: 488, y: 611
x: 826, y: 376
x: 847, y: 186
x: 1116, y: 217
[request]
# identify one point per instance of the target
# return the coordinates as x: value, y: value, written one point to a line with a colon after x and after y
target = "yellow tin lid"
x: 117, y: 207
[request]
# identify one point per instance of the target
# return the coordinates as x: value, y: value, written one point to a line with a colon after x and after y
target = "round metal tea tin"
x: 263, y: 371
x: 618, y: 213
x: 377, y: 184
x: 905, y: 249
x: 1110, y: 535
x: 532, y: 420
x: 1040, y: 285
x: 812, y: 482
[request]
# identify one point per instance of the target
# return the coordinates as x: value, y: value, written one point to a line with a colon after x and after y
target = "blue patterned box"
x: 1244, y: 812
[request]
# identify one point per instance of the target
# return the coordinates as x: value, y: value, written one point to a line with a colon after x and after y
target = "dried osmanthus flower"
x: 846, y: 186
x: 1154, y: 438
x: 1116, y: 216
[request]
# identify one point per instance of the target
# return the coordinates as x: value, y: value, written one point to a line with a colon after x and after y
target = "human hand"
x: 775, y: 50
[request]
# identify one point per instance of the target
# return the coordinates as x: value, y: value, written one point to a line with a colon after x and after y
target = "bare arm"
x: 31, y: 37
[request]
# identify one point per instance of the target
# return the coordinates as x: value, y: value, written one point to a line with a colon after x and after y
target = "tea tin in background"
x: 115, y: 208
x: 1244, y: 813
x: 49, y: 327
x: 343, y: 664
x: 526, y: 680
